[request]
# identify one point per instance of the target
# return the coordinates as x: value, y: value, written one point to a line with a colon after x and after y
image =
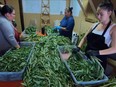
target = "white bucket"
x: 75, y: 38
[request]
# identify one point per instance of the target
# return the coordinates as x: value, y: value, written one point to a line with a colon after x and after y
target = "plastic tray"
x: 85, y: 83
x: 13, y: 76
x: 65, y: 56
x: 81, y: 83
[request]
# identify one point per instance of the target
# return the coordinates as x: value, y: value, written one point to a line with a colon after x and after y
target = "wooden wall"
x: 81, y: 25
x: 29, y: 18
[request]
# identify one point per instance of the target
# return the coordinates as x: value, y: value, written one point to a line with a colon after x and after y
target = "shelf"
x: 45, y: 13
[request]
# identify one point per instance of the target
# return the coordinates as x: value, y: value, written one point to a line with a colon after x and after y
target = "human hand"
x: 15, y: 48
x: 75, y: 50
x: 92, y: 53
x: 58, y: 27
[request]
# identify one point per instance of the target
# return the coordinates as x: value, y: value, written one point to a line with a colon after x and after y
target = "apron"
x: 17, y: 35
x: 97, y: 42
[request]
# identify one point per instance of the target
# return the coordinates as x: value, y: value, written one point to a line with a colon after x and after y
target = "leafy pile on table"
x: 14, y: 60
x: 30, y: 30
x: 45, y: 67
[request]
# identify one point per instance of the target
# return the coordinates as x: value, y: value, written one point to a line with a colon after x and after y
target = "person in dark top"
x: 101, y: 38
x: 67, y: 24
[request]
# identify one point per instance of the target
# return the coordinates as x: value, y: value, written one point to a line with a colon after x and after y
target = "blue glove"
x: 58, y: 27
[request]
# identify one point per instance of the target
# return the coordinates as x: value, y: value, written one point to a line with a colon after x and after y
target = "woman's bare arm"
x: 112, y: 49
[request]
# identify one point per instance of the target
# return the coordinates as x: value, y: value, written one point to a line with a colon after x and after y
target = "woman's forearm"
x: 17, y: 46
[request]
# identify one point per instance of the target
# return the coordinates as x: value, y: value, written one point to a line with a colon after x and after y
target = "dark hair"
x: 69, y: 9
x: 106, y: 5
x: 6, y: 9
